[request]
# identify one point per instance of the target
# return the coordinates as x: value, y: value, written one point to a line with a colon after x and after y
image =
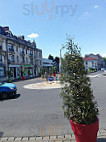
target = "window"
x: 86, y: 63
x: 11, y: 58
x: 2, y: 71
x: 10, y: 47
x: 17, y: 48
x: 26, y: 59
x: 17, y: 59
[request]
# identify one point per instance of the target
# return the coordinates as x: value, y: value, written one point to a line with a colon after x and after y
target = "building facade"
x: 94, y: 61
x: 47, y: 64
x: 90, y: 62
x: 18, y: 56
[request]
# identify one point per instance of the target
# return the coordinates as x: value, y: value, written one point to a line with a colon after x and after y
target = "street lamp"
x: 60, y: 60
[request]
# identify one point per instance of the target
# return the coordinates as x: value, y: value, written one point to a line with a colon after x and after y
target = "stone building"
x: 19, y: 56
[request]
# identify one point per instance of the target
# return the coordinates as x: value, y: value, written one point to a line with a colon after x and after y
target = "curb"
x: 56, y: 138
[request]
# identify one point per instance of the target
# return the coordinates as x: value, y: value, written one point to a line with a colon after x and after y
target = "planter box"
x: 85, y: 133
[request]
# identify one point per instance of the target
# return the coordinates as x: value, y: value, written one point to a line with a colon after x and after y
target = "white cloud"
x: 96, y: 6
x: 33, y: 35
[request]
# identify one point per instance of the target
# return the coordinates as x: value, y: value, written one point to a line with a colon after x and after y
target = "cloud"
x: 96, y: 6
x: 33, y: 35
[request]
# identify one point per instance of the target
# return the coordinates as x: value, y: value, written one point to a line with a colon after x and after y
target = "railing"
x: 22, y: 62
x: 11, y: 61
x: 11, y: 49
x: 31, y: 62
x: 22, y: 52
x: 31, y: 54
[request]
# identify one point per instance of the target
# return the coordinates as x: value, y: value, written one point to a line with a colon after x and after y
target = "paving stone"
x: 102, y: 132
x: 11, y: 139
x: 38, y: 138
x: 73, y: 137
x: 68, y: 136
x: 72, y: 140
x: 32, y: 138
x: 60, y: 137
x: 58, y: 141
x: 46, y: 138
x: 53, y: 137
x: 4, y: 139
x: 18, y: 139
x: 25, y: 139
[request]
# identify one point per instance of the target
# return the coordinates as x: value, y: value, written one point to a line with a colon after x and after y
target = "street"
x: 39, y: 112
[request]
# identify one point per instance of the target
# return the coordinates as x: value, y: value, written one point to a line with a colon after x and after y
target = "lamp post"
x: 60, y: 60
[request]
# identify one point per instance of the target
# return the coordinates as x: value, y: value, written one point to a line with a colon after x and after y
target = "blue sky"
x: 48, y: 22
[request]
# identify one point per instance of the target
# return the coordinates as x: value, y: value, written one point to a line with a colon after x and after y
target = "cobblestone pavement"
x: 57, y: 138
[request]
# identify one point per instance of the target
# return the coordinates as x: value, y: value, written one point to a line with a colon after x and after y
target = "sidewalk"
x: 57, y: 138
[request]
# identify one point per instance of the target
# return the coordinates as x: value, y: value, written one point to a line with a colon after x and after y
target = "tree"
x: 78, y: 103
x: 56, y: 60
x: 50, y: 57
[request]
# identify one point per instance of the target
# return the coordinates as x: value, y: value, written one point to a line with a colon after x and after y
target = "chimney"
x: 6, y: 28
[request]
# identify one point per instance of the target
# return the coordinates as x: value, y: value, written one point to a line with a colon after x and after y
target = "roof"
x: 89, y: 59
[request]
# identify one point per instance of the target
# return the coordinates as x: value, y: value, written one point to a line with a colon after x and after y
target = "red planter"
x: 23, y: 77
x: 85, y: 133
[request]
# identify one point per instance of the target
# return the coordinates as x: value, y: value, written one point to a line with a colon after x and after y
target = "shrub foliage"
x: 78, y: 99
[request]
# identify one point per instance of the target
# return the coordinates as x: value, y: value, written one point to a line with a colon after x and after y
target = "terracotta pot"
x: 85, y: 133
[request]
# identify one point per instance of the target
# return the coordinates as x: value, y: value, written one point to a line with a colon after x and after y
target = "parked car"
x: 7, y: 90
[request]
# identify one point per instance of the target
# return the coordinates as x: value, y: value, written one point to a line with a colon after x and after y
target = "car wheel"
x: 4, y: 96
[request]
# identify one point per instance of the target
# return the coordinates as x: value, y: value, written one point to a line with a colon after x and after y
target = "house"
x: 94, y: 61
x: 18, y: 55
x: 90, y: 62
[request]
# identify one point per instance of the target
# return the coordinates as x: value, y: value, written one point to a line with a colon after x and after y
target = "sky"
x: 49, y: 21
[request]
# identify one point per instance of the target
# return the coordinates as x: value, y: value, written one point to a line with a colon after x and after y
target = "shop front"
x: 28, y: 70
x: 15, y: 71
x: 2, y: 72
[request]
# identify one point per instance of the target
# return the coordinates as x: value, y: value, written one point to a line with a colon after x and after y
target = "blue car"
x: 7, y: 90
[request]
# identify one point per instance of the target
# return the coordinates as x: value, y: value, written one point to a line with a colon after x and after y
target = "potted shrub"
x: 78, y: 100
x: 54, y: 71
x: 9, y: 76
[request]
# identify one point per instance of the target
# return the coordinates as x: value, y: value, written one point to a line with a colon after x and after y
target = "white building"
x: 90, y: 62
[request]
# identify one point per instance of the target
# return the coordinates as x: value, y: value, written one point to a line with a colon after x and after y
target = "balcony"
x: 31, y: 54
x: 22, y: 52
x: 1, y: 48
x: 11, y: 50
x: 31, y: 62
x: 22, y: 62
x: 11, y: 61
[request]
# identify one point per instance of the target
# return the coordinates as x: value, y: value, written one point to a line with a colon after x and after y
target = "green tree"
x: 50, y: 57
x: 78, y: 99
